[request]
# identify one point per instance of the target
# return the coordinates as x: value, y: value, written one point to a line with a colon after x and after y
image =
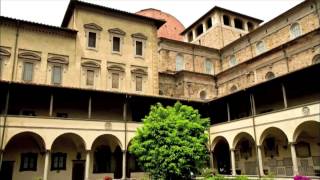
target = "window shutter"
x: 90, y: 77
x: 138, y: 83
x: 56, y: 73
x: 28, y: 71
x: 179, y: 63
x: 115, y: 80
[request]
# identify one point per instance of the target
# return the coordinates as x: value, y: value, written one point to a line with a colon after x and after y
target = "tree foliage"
x: 172, y: 142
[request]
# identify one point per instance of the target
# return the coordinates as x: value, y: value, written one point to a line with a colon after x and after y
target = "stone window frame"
x: 203, y: 94
x: 233, y: 61
x: 116, y: 68
x: 4, y: 54
x: 57, y: 60
x: 93, y: 28
x: 91, y: 65
x: 31, y: 57
x: 270, y: 75
x: 182, y: 62
x: 139, y: 72
x: 233, y: 88
x: 141, y: 38
x: 116, y: 32
x: 295, y: 30
x: 260, y: 47
x: 316, y: 59
x: 206, y: 61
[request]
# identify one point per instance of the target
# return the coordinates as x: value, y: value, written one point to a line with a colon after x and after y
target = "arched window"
x: 270, y: 75
x: 316, y: 59
x: 203, y: 95
x: 233, y: 88
x: 232, y: 61
x: 179, y: 62
x: 260, y: 47
x: 295, y: 30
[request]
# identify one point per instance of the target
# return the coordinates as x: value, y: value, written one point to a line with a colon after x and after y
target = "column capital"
x: 232, y: 149
x: 88, y: 150
x: 124, y: 151
x: 292, y: 143
x: 259, y: 146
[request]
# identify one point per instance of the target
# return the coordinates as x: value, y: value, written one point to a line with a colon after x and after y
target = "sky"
x: 187, y: 11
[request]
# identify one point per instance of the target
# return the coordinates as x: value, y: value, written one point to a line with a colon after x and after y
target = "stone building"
x: 72, y: 97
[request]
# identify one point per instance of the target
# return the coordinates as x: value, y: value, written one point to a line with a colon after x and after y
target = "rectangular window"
x: 116, y: 44
x: 56, y: 74
x: 92, y: 40
x: 139, y: 48
x: 90, y: 77
x: 58, y: 161
x: 27, y: 71
x: 28, y: 162
x: 138, y: 83
x: 115, y: 80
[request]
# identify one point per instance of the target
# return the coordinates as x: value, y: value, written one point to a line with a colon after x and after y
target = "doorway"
x: 6, y: 170
x: 78, y: 170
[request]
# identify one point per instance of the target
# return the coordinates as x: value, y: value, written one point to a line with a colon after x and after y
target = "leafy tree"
x: 171, y: 142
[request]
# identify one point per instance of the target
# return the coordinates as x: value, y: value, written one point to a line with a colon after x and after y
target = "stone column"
x: 124, y: 164
x: 87, y: 168
x: 46, y: 165
x: 233, y: 162
x: 294, y: 159
x: 260, y: 160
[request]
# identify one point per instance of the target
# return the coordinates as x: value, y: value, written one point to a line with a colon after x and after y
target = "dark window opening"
x: 116, y: 44
x: 58, y: 161
x: 238, y: 23
x: 115, y: 80
x: 250, y: 26
x: 209, y: 23
x: 190, y: 36
x: 199, y: 30
x: 92, y: 40
x: 303, y: 149
x: 139, y: 48
x: 226, y: 20
x: 270, y: 75
x: 138, y: 83
x: 28, y: 162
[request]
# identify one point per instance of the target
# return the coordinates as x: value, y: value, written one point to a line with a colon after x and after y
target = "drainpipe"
x: 253, y: 111
x: 8, y: 94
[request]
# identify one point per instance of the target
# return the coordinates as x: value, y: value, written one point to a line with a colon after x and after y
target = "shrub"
x: 216, y: 177
x: 206, y: 172
x: 241, y: 178
x: 107, y: 178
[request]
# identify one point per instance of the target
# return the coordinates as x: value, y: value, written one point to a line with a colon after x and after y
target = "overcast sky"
x: 187, y: 11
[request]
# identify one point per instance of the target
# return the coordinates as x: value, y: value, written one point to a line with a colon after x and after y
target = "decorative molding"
x: 93, y: 26
x: 4, y: 52
x: 53, y: 58
x: 117, y: 31
x: 30, y: 55
x: 116, y: 67
x: 91, y: 63
x: 139, y: 36
x: 139, y: 70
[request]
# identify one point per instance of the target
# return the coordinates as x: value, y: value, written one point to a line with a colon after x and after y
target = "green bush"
x: 206, y: 172
x: 216, y: 177
x: 241, y: 178
x: 270, y: 176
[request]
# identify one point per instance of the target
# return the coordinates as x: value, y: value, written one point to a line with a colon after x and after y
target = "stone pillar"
x: 260, y: 160
x: 124, y: 164
x: 294, y: 159
x: 46, y: 165
x: 87, y: 168
x: 233, y: 162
